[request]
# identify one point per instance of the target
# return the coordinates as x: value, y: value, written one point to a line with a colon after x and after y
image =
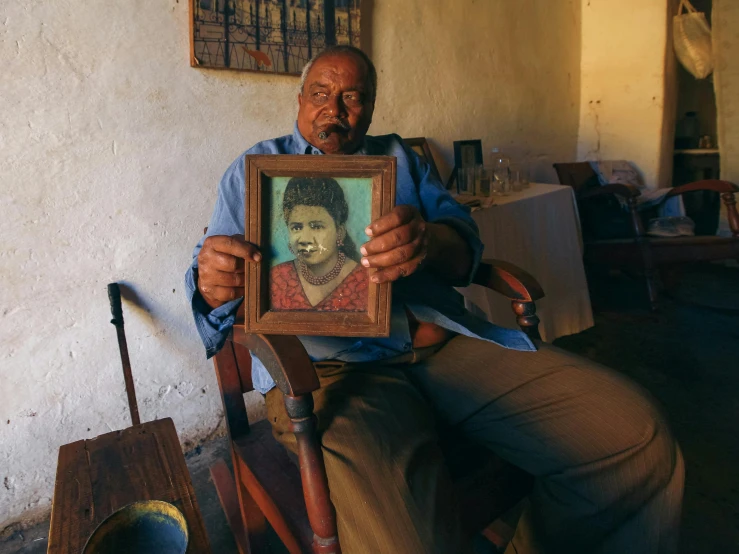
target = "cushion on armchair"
x: 658, y: 216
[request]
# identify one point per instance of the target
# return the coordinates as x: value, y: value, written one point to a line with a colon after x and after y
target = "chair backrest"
x: 421, y: 147
x: 578, y: 175
x: 238, y: 354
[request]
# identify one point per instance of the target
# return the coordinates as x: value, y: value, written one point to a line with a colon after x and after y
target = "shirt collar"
x: 305, y: 147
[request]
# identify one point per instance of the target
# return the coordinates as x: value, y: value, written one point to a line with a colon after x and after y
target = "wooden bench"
x: 96, y: 477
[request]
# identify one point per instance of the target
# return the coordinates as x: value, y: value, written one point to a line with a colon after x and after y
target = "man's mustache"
x: 342, y: 123
x: 331, y: 125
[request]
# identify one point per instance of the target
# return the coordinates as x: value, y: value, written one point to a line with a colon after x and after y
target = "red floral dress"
x: 286, y: 292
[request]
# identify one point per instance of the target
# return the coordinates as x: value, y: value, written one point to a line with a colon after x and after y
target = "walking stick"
x: 114, y: 295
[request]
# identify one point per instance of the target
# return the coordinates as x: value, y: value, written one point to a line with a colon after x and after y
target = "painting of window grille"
x: 277, y: 36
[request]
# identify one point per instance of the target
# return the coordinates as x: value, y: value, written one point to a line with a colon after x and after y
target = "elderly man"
x: 609, y: 474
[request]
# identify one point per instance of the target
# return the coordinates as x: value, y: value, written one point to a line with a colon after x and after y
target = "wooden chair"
x: 268, y: 483
x: 421, y: 147
x: 634, y: 248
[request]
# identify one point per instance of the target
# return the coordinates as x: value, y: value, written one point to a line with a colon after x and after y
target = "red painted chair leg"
x: 313, y: 474
x: 226, y: 489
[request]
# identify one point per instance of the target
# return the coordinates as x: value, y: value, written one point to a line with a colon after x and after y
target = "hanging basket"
x: 692, y: 39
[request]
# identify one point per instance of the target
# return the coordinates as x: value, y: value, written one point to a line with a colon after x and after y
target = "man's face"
x: 337, y: 100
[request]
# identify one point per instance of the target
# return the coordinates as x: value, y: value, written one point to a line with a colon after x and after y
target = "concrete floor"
x: 687, y: 356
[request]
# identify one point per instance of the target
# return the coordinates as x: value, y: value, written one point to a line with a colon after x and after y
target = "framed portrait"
x: 421, y: 147
x: 307, y: 214
x: 467, y: 153
x: 274, y: 36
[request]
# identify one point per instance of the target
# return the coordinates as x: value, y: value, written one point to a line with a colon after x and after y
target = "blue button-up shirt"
x: 427, y: 296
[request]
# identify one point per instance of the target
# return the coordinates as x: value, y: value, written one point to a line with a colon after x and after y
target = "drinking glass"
x: 466, y: 181
x: 516, y: 178
x: 525, y: 176
x: 482, y: 180
x: 502, y: 183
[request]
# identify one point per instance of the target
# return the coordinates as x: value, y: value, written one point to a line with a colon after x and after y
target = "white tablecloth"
x: 538, y: 230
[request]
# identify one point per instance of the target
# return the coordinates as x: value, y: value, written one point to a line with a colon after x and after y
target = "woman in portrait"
x: 325, y: 274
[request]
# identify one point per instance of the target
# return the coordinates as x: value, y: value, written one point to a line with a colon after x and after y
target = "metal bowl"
x: 147, y: 527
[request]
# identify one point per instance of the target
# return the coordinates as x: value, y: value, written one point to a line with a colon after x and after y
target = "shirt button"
x: 406, y: 346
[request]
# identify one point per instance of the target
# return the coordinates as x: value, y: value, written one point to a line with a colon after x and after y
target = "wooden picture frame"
x: 467, y: 153
x: 421, y: 147
x: 277, y: 293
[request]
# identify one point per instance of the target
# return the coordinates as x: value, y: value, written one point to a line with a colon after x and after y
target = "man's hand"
x: 402, y: 240
x: 399, y: 244
x: 221, y: 268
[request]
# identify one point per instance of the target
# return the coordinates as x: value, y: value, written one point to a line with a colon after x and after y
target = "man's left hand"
x: 398, y: 246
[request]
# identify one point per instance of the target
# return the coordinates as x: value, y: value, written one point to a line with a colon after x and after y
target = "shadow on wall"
x: 161, y: 323
x: 129, y: 293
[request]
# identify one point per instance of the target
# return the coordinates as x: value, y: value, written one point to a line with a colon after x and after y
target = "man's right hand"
x: 221, y: 268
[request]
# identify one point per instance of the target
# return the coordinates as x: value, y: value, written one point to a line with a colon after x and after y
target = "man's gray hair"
x: 339, y: 50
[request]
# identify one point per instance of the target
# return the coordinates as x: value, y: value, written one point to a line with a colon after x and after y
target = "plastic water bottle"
x: 501, y: 172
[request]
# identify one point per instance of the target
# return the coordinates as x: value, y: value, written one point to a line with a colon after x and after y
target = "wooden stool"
x: 96, y: 477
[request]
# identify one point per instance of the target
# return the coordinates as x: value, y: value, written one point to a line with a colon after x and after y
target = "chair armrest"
x: 288, y: 364
x: 709, y: 184
x: 285, y: 358
x: 509, y: 280
x: 727, y: 191
x: 625, y: 191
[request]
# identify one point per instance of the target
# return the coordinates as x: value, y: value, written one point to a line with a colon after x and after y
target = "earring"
x: 340, y: 242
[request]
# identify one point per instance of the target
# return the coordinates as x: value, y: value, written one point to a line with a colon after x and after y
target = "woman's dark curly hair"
x: 326, y: 193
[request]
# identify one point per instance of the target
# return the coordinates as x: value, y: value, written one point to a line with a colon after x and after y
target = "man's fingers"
x: 399, y: 216
x: 396, y: 256
x: 395, y: 272
x: 395, y: 238
x: 223, y: 253
x: 221, y: 279
x: 212, y: 260
x: 234, y: 245
x: 221, y: 294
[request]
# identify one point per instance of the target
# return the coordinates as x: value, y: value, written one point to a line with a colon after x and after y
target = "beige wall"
x: 504, y: 72
x: 725, y: 24
x: 110, y: 150
x: 627, y: 85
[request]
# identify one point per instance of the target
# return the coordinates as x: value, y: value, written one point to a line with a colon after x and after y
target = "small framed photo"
x: 467, y: 153
x: 307, y: 214
x: 421, y: 147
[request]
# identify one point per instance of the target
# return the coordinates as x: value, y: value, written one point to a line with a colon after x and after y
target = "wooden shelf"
x: 697, y: 151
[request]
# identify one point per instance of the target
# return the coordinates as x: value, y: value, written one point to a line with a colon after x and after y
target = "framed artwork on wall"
x: 307, y: 214
x: 276, y: 36
x: 421, y: 147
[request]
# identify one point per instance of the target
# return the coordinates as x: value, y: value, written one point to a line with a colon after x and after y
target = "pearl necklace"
x: 330, y: 276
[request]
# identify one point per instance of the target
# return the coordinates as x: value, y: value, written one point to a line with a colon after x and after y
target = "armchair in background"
x: 616, y: 238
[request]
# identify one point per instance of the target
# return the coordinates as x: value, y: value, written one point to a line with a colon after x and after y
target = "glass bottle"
x: 501, y: 165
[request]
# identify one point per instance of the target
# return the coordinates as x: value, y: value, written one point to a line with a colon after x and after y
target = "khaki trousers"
x: 609, y: 474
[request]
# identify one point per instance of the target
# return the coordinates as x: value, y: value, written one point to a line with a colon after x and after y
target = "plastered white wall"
x: 111, y: 147
x: 625, y: 108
